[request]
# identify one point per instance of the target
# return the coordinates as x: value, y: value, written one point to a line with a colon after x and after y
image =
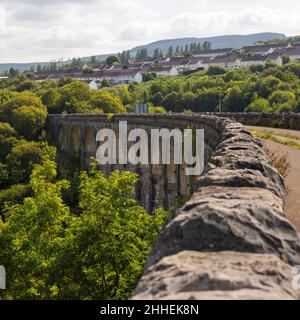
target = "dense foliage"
x: 257, y: 89
x: 51, y: 253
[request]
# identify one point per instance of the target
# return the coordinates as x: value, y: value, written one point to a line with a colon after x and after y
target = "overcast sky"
x: 44, y: 30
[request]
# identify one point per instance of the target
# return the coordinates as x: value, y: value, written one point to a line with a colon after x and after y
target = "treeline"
x: 290, y: 40
x: 188, y: 49
x: 268, y: 88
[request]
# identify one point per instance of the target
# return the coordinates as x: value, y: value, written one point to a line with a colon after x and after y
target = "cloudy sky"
x: 44, y: 30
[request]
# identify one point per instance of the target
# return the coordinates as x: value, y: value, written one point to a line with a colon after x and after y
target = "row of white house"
x: 227, y: 58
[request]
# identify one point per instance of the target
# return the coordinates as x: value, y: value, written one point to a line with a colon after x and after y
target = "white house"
x: 180, y: 63
x: 229, y: 61
x: 196, y: 63
x: 122, y: 76
x: 263, y: 49
x: 93, y: 85
x: 167, y: 71
x: 293, y: 53
x: 247, y: 61
x: 276, y: 57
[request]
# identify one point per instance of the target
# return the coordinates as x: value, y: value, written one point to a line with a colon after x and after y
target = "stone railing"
x: 232, y: 239
x: 274, y: 120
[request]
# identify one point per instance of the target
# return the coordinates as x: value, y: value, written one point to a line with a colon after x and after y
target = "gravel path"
x: 293, y: 180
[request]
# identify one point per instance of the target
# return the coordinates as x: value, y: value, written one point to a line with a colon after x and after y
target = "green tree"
x: 206, y: 45
x: 51, y: 99
x: 216, y: 70
x: 105, y: 83
x: 170, y: 52
x: 111, y: 60
x: 31, y: 237
x: 235, y: 100
x: 7, y: 130
x: 106, y: 102
x: 112, y: 237
x: 94, y: 60
x: 157, y: 110
x: 28, y: 121
x: 257, y: 68
x: 157, y: 54
x: 25, y: 112
x: 27, y: 85
x: 76, y: 64
x: 259, y: 105
x: 142, y: 54
x: 13, y: 72
x: 207, y: 100
x: 266, y: 85
x: 283, y: 101
x: 5, y: 95
x: 7, y: 140
x: 50, y: 253
x: 74, y: 96
x: 22, y: 158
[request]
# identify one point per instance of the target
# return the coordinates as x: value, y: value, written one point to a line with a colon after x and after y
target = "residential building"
x: 263, y: 49
x: 247, y: 61
x: 228, y: 61
x: 293, y: 53
x: 214, y: 52
x: 94, y: 85
x: 122, y: 76
x: 164, y: 71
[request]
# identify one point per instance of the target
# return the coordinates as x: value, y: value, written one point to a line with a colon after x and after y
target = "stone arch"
x: 90, y: 140
x: 62, y: 138
x: 75, y: 139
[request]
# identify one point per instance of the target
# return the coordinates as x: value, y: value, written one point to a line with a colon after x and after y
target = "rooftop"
x: 263, y: 47
x: 213, y: 51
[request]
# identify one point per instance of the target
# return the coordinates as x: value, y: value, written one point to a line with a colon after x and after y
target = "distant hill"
x: 20, y: 66
x: 219, y: 42
x: 232, y: 41
x: 27, y: 66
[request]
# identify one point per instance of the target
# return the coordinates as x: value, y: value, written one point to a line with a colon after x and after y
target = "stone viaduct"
x: 231, y: 239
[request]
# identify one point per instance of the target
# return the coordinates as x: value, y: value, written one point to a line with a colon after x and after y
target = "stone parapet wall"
x: 232, y: 240
x: 274, y: 120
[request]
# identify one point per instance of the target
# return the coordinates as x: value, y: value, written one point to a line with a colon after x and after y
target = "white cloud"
x: 134, y: 31
x: 50, y: 29
x: 2, y: 16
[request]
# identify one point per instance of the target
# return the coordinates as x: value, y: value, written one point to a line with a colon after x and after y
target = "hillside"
x: 227, y: 41
x: 27, y: 66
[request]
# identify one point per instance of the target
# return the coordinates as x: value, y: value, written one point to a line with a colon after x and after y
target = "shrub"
x: 283, y: 101
x: 157, y: 110
x: 7, y: 130
x: 14, y: 194
x: 257, y: 68
x: 215, y: 70
x: 29, y: 121
x: 259, y: 105
x: 279, y: 160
